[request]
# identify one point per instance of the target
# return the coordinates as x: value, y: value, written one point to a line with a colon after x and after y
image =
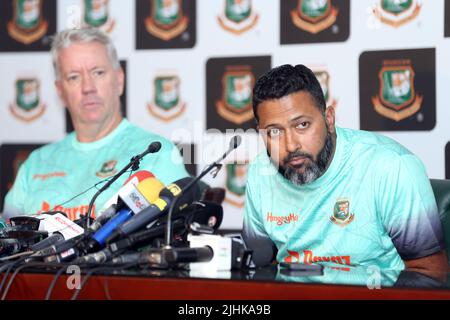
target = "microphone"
x: 133, y: 164
x: 165, y: 256
x: 60, y: 228
x: 135, y: 199
x: 234, y: 143
x: 264, y: 251
x: 109, y: 208
x: 158, y: 207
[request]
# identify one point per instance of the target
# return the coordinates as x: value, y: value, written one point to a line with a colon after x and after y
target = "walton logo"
x: 72, y: 213
x: 27, y: 24
x: 238, y: 16
x: 27, y: 106
x: 397, y: 99
x: 167, y: 104
x: 292, y: 217
x: 314, y: 16
x: 96, y: 14
x: 310, y: 258
x: 236, y: 103
x: 167, y: 19
x: 396, y: 12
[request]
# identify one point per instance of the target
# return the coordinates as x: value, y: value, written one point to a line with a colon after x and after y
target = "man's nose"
x: 291, y: 141
x: 88, y: 85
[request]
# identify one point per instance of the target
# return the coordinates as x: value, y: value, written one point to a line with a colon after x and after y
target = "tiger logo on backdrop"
x: 167, y: 104
x: 397, y: 98
x: 27, y: 105
x: 167, y: 19
x: 236, y: 103
x: 108, y: 169
x: 236, y: 179
x: 28, y: 24
x: 238, y: 16
x: 96, y: 14
x: 314, y: 16
x: 396, y: 13
x: 323, y: 76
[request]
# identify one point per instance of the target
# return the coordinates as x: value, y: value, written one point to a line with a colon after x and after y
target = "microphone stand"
x: 234, y: 143
x: 133, y: 164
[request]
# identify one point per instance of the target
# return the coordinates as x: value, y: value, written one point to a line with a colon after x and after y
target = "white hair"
x: 67, y: 37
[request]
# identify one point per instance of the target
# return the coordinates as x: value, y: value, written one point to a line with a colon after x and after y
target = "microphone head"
x: 150, y: 188
x: 264, y: 251
x: 235, y: 142
x: 154, y: 147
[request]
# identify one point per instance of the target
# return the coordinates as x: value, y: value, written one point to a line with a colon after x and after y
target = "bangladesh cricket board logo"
x: 341, y: 213
x: 397, y: 98
x: 236, y: 179
x: 27, y: 105
x: 96, y: 14
x: 27, y: 24
x: 314, y: 16
x: 167, y: 104
x: 167, y: 19
x: 236, y: 103
x: 323, y: 76
x: 238, y: 16
x: 396, y: 12
x: 108, y: 169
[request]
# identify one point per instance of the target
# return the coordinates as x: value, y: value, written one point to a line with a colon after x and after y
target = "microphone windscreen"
x: 150, y: 188
x: 139, y: 176
x: 264, y: 251
x: 154, y: 147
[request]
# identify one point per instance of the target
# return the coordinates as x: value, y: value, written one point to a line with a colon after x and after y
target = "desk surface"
x: 263, y: 284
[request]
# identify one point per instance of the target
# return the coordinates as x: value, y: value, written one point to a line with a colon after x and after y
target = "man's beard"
x: 312, y: 169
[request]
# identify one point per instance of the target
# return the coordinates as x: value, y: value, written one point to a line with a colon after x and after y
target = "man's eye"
x: 274, y: 132
x: 72, y: 78
x: 99, y: 72
x: 303, y: 125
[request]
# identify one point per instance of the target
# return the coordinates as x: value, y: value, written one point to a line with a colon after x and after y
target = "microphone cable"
x: 91, y: 272
x: 54, y: 281
x: 16, y: 272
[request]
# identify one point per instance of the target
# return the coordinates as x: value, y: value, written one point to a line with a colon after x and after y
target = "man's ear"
x: 330, y: 118
x: 120, y: 80
x: 60, y: 92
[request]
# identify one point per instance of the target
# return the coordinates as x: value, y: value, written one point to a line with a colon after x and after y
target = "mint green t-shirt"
x: 373, y: 206
x: 55, y: 173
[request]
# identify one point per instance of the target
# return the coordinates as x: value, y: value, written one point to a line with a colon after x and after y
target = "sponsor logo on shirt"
x: 341, y: 213
x: 46, y: 176
x: 280, y: 220
x: 308, y: 257
x: 108, y: 169
x: 72, y: 213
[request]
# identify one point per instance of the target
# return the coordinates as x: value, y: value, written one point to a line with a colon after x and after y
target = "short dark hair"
x: 284, y: 80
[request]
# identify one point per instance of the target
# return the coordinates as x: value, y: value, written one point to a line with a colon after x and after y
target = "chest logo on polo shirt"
x: 108, y: 169
x: 341, y: 212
